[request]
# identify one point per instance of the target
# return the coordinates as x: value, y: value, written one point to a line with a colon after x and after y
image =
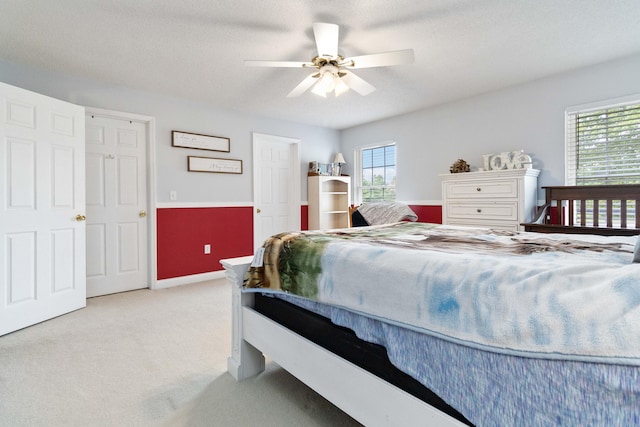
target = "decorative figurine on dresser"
x: 501, y: 195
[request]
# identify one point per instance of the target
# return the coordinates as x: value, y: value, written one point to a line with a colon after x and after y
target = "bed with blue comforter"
x: 522, y: 328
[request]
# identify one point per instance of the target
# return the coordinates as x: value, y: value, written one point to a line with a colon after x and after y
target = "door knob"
x: 142, y: 214
x: 258, y: 210
x: 80, y: 217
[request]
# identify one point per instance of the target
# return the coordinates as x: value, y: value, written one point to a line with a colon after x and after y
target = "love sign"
x: 507, y: 160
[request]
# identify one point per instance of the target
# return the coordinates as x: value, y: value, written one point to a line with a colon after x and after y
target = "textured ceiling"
x: 195, y: 49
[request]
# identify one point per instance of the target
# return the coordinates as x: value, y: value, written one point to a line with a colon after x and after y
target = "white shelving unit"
x: 329, y: 199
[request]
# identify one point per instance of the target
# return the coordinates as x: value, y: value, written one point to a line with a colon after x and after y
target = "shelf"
x: 329, y: 201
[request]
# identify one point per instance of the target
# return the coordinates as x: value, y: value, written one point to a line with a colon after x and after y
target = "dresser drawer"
x: 482, y: 189
x: 483, y: 210
x: 499, y: 225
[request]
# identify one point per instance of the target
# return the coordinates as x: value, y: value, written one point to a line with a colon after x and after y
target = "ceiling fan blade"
x: 384, y: 59
x: 357, y: 84
x: 304, y: 85
x: 326, y: 39
x: 286, y: 64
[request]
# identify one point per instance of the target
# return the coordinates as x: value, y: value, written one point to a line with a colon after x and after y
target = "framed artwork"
x: 199, y: 141
x: 213, y: 165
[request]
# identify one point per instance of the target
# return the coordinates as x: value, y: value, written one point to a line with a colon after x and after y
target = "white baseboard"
x: 185, y: 280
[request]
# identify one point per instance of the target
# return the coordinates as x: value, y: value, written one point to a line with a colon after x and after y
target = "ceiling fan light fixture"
x: 325, y: 84
x: 340, y: 86
x: 318, y: 89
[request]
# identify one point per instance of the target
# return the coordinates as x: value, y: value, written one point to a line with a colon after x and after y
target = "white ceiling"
x: 195, y: 49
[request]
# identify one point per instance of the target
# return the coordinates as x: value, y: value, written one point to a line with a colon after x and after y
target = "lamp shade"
x: 339, y: 159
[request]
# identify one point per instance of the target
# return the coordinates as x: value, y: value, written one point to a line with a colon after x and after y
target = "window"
x: 376, y: 173
x: 603, y: 145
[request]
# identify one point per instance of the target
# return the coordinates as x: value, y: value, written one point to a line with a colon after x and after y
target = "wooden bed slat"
x: 571, y: 206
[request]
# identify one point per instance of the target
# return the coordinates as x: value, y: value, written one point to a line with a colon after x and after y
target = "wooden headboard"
x: 618, y: 210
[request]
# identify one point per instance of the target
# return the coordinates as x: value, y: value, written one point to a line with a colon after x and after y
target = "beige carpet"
x: 147, y: 358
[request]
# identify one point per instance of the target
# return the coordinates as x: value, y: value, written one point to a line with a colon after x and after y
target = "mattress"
x: 491, y: 389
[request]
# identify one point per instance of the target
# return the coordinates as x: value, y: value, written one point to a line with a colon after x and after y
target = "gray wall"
x: 528, y: 117
x: 317, y: 143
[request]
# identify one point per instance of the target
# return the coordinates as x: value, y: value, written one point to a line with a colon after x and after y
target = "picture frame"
x: 213, y: 165
x: 200, y: 141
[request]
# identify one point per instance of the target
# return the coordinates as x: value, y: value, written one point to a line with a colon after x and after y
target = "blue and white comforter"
x: 541, y: 295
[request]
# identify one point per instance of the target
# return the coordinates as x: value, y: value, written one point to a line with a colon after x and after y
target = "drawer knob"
x: 479, y: 210
x: 478, y: 189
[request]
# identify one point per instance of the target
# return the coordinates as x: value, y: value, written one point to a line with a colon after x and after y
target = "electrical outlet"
x: 207, y: 249
x: 173, y: 195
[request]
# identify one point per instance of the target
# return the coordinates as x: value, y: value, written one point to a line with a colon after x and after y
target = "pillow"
x: 376, y: 213
x: 357, y: 220
x: 636, y: 251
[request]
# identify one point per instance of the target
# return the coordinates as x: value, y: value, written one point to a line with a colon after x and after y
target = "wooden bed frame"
x: 564, y: 202
x: 365, y: 397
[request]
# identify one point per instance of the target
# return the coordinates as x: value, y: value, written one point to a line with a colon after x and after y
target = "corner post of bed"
x: 245, y: 360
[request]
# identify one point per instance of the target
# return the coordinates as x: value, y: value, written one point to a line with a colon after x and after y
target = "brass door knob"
x: 258, y: 210
x: 142, y: 214
x: 80, y: 217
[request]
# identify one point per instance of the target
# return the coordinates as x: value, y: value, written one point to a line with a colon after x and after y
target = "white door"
x: 276, y: 186
x: 42, y: 202
x: 116, y: 205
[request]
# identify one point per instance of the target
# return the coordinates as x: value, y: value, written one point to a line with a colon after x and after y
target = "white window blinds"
x: 603, y: 145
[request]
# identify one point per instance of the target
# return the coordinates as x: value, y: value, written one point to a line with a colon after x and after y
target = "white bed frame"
x: 365, y: 397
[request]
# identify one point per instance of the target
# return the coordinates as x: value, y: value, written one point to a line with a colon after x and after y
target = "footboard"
x: 367, y: 398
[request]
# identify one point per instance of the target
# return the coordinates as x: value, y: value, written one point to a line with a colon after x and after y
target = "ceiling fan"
x: 331, y: 72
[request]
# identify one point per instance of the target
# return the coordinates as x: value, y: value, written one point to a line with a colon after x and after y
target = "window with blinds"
x: 377, y: 173
x: 603, y: 147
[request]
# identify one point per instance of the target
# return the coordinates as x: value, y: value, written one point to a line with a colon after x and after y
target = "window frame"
x: 357, y: 155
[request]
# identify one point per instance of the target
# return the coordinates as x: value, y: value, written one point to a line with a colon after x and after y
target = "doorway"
x: 120, y: 215
x: 276, y: 186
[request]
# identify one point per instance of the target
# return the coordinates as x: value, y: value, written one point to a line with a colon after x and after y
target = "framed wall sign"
x: 210, y: 164
x: 199, y: 141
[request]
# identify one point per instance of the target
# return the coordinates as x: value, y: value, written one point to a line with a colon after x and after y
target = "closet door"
x: 42, y: 208
x: 116, y: 181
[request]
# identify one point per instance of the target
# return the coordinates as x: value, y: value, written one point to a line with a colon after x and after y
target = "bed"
x: 463, y: 380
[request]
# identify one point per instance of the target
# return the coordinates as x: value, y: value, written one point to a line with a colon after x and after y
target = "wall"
x: 528, y: 116
x: 218, y: 206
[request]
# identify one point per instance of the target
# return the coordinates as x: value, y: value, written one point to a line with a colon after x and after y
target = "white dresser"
x: 499, y: 199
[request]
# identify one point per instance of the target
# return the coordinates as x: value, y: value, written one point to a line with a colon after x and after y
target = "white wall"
x: 317, y: 143
x: 528, y: 116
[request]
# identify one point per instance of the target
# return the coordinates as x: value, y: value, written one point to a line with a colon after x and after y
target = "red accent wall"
x: 431, y: 214
x: 304, y: 217
x: 183, y: 232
